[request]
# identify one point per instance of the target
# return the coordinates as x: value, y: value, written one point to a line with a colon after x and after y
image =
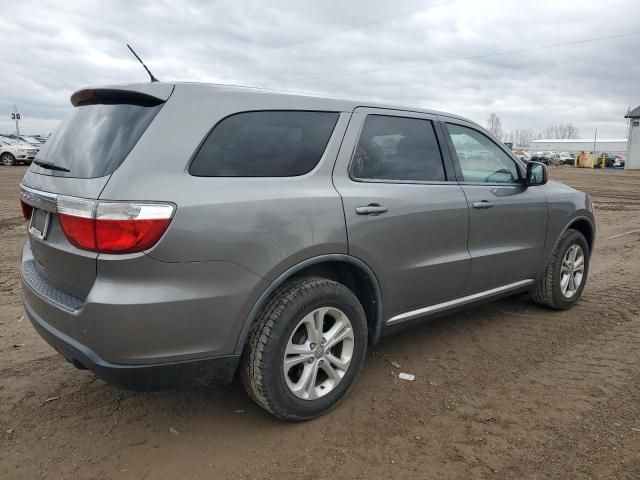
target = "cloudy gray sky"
x: 432, y: 53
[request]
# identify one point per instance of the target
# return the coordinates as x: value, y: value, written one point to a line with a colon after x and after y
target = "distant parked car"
x: 554, y: 159
x: 566, y: 158
x: 618, y: 161
x: 609, y: 160
x: 13, y: 152
x: 562, y: 158
x: 542, y: 157
x: 614, y: 161
x: 30, y: 140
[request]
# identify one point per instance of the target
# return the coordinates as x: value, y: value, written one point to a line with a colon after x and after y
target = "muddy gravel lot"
x: 506, y: 390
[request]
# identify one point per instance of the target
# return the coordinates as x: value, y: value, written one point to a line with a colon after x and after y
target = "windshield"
x: 8, y: 141
x: 31, y: 140
x: 95, y: 139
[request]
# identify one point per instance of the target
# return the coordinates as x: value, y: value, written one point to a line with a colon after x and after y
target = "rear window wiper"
x: 50, y: 166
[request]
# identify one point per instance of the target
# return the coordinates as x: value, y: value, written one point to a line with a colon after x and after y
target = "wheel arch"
x: 585, y: 227
x: 582, y: 224
x: 346, y: 269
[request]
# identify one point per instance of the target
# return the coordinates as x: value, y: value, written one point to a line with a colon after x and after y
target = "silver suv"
x: 182, y: 232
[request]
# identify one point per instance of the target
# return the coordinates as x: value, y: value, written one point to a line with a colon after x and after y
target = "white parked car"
x: 13, y: 152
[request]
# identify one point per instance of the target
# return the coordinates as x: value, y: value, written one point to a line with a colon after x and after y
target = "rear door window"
x: 95, y: 139
x: 398, y: 149
x: 265, y: 144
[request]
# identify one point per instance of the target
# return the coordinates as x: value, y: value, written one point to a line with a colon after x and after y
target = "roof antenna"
x: 153, y: 79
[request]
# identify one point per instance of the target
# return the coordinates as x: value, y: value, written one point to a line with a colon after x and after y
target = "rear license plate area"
x: 39, y: 223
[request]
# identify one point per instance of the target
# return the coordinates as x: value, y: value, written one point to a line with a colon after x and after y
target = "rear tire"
x: 8, y: 160
x: 286, y: 348
x: 561, y: 285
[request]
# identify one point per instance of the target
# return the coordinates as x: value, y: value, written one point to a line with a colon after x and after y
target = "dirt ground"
x: 507, y: 390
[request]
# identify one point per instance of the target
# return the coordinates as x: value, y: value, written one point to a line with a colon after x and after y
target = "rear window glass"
x: 94, y: 140
x: 265, y: 144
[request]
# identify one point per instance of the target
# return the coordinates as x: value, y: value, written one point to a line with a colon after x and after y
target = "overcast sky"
x: 409, y: 52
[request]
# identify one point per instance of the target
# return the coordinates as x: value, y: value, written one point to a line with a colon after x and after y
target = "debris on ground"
x: 174, y: 431
x: 487, y: 419
x: 51, y: 399
x: 394, y: 364
x: 406, y: 376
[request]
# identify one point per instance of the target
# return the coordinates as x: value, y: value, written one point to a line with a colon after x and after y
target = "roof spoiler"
x: 135, y: 95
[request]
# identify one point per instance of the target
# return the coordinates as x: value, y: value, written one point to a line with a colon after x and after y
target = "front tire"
x: 8, y: 160
x: 306, y: 349
x: 561, y: 285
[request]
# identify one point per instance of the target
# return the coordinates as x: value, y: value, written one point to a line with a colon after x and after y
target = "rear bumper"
x: 144, y: 324
x: 136, y: 377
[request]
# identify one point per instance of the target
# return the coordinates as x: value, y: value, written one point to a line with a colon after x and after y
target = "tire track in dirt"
x: 7, y: 223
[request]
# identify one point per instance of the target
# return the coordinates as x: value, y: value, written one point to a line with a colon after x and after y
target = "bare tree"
x: 494, y: 125
x: 526, y: 136
x: 519, y: 138
x: 571, y: 131
x: 562, y: 131
x: 507, y: 137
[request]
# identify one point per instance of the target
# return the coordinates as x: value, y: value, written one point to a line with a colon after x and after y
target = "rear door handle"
x: 371, y: 209
x: 482, y: 204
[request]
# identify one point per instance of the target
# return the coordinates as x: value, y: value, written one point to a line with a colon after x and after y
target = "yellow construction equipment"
x: 586, y: 160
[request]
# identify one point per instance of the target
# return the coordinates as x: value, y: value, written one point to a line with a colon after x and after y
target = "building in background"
x: 633, y: 146
x: 615, y: 146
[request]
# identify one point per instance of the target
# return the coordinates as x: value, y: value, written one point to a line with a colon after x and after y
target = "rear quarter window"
x: 265, y: 144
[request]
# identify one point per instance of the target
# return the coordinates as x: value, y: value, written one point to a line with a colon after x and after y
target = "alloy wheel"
x: 572, y: 271
x: 7, y: 159
x: 318, y: 353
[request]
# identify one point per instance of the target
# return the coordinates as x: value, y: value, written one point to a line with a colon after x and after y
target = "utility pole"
x: 16, y: 116
x: 595, y: 152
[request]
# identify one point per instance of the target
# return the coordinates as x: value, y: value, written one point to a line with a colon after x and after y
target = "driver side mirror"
x: 536, y: 174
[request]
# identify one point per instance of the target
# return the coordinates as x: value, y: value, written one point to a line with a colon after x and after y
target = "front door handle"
x: 371, y: 209
x: 482, y: 204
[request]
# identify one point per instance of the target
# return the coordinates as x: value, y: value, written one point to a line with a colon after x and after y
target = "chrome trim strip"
x: 458, y: 301
x: 46, y: 201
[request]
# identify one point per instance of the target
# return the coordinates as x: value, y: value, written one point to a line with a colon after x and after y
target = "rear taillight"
x: 113, y: 227
x: 130, y: 227
x: 77, y: 219
x: 26, y: 209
